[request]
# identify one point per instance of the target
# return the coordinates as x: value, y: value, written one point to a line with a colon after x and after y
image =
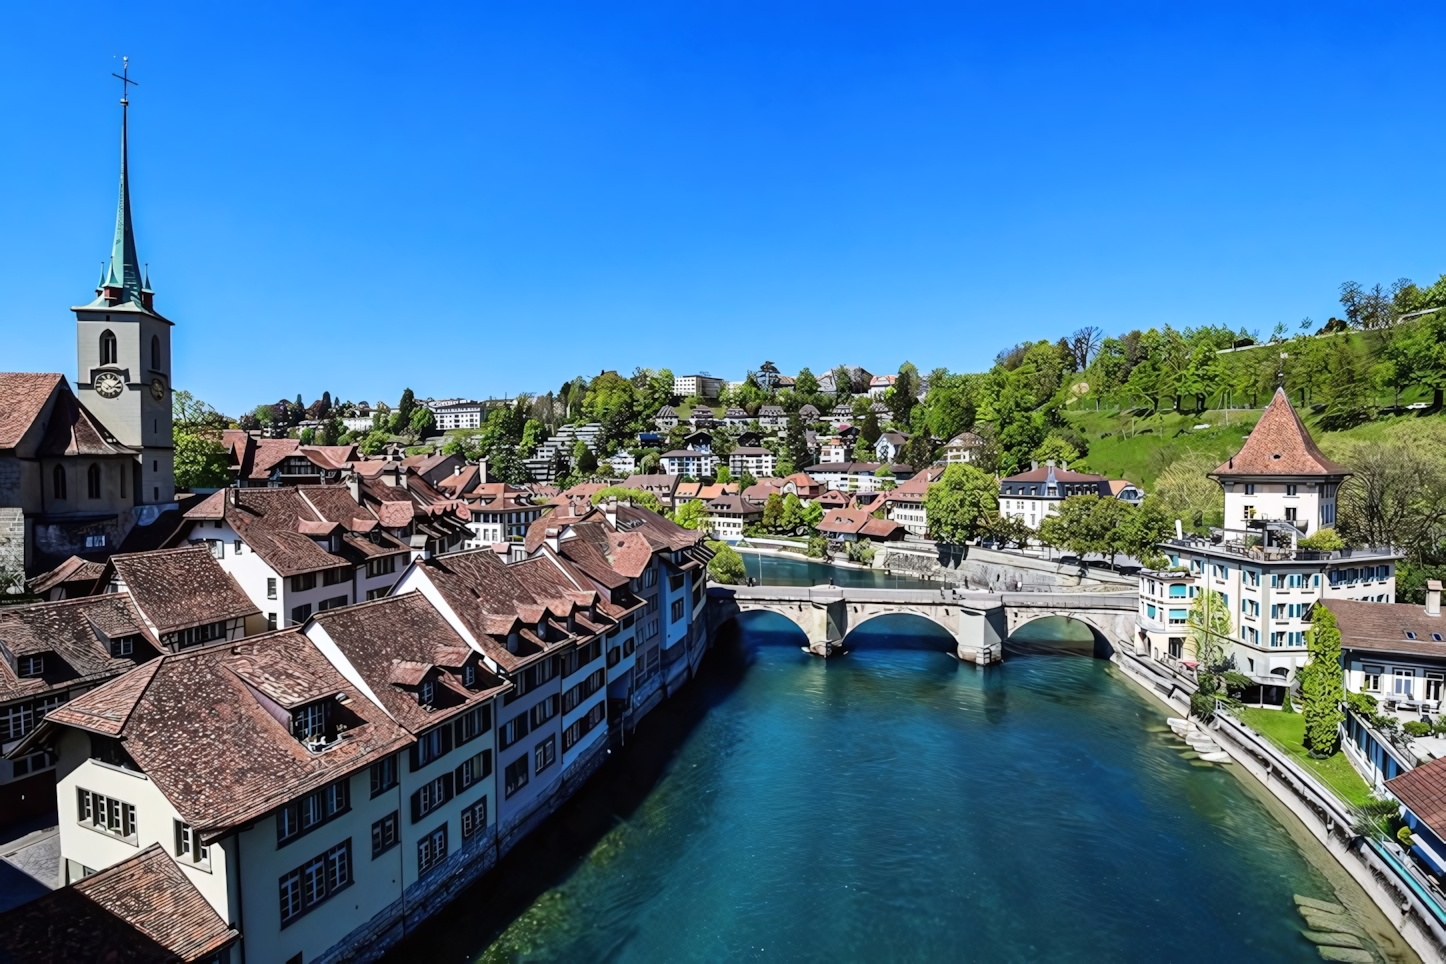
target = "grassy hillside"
x: 1139, y: 448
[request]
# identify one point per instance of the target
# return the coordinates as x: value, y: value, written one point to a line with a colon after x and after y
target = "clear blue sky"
x: 489, y: 199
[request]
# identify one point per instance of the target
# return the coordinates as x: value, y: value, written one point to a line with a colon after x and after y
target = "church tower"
x: 124, y: 351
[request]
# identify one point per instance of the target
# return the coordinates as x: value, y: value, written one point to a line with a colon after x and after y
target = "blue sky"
x: 485, y: 199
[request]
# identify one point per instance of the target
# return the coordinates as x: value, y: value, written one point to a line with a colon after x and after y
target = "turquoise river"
x: 893, y: 804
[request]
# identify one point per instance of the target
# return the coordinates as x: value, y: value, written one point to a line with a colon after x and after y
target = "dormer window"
x: 542, y: 629
x: 514, y: 638
x: 427, y: 692
x: 1410, y: 635
x: 334, y: 542
x: 123, y: 645
x: 29, y: 666
x: 310, y: 723
x: 469, y: 676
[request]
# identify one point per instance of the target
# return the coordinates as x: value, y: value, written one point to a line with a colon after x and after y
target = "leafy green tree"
x: 949, y: 405
x: 1324, y: 540
x: 726, y: 566
x: 1061, y: 450
x: 1208, y: 625
x: 904, y: 395
x: 723, y: 474
x: 1083, y: 524
x: 199, y: 459
x: 586, y: 462
x: 796, y: 444
x: 533, y: 432
x: 307, y: 436
x: 692, y: 514
x: 960, y: 504
x: 772, y: 512
x: 331, y: 431
x: 1321, y: 680
x: 374, y: 442
x: 1188, y: 494
x: 1142, y: 528
x: 790, y: 515
x: 423, y: 423
x: 406, y: 407
x: 869, y: 432
x: 886, y: 478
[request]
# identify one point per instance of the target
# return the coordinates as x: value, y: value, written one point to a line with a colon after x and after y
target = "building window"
x: 384, y: 775
x: 545, y: 754
x: 270, y: 620
x: 303, y: 582
x: 92, y: 482
x: 28, y: 666
x: 514, y: 776
x: 381, y: 567
x: 432, y: 849
x: 107, y: 815
x: 311, y: 811
x: 473, y: 771
x: 123, y: 646
x: 472, y: 724
x: 315, y: 881
x: 385, y: 834
x: 107, y: 348
x: 189, y: 846
x: 434, y: 743
x: 300, y: 614
x: 155, y: 353
x: 196, y: 635
x: 513, y: 730
x: 678, y: 610
x: 1371, y: 679
x: 474, y: 818
x: 1402, y: 682
x: 270, y: 587
x: 431, y: 796
x: 545, y: 710
x: 1290, y: 489
x: 57, y: 480
x: 1177, y: 617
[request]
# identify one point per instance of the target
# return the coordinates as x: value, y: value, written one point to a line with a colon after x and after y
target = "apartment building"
x: 299, y: 550
x: 756, y: 461
x: 697, y: 386
x: 1279, y: 488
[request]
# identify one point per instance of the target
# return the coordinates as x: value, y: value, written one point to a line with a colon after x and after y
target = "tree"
x: 331, y: 431
x: 886, y: 478
x: 307, y: 436
x: 805, y: 386
x: 1324, y: 540
x: 722, y: 474
x: 1141, y: 529
x: 1188, y: 494
x: 373, y: 442
x: 726, y: 566
x: 1321, y: 687
x: 1396, y: 495
x: 1208, y: 624
x: 199, y: 458
x: 796, y: 443
x: 423, y: 423
x: 586, y: 462
x: 1083, y: 346
x: 869, y: 432
x: 790, y: 514
x: 1084, y: 524
x: 406, y: 406
x: 1059, y: 449
x: 960, y: 503
x: 904, y: 395
x: 692, y: 514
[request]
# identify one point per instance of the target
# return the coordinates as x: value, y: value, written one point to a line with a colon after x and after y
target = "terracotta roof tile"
x: 1423, y: 791
x: 78, y: 633
x: 1280, y: 445
x: 180, y: 588
x: 141, y: 910
x: 1383, y: 627
x: 200, y: 728
x: 83, y: 572
x: 22, y: 396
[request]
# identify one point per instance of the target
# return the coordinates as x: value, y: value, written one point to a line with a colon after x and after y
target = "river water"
x: 895, y: 804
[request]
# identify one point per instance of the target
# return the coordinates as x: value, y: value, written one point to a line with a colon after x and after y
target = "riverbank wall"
x: 995, y: 570
x: 1378, y: 872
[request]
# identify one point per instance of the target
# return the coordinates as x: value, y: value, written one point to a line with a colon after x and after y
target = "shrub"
x: 1417, y: 728
x: 726, y: 566
x: 1286, y: 706
x: 1325, y: 540
x: 1403, y: 837
x: 1362, y: 703
x: 817, y: 548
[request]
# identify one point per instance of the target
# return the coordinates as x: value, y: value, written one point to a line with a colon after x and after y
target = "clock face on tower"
x: 158, y: 389
x: 108, y: 385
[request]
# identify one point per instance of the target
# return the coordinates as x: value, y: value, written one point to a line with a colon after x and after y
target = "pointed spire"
x: 101, y: 283
x: 124, y: 276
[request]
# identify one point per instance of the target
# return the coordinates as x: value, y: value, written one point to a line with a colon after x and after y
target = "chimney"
x: 1033, y: 465
x: 353, y: 485
x: 550, y: 537
x: 1433, y: 597
x: 610, y: 511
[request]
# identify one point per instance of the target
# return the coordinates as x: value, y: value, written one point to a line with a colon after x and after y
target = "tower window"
x: 58, y: 481
x: 107, y: 347
x: 92, y: 481
x: 156, y: 352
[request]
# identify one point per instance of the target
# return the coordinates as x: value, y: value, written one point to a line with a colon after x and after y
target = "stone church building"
x: 82, y: 465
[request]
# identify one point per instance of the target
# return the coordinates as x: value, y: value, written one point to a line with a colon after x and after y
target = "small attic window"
x: 1436, y: 636
x: 1276, y: 456
x: 542, y: 628
x: 1410, y: 635
x: 513, y: 638
x: 427, y: 692
x: 469, y: 676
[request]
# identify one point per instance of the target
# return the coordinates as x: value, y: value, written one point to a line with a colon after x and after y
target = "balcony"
x: 1238, y: 544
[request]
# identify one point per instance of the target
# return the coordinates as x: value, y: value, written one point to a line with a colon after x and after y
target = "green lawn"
x: 1287, y: 730
x: 1139, y: 447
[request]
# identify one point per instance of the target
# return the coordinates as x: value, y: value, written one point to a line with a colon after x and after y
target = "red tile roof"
x: 141, y: 910
x: 83, y: 572
x: 197, y: 723
x: 1280, y: 445
x: 394, y: 644
x: 22, y: 396
x: 72, y: 430
x: 1423, y: 791
x: 177, y: 589
x: 78, y: 633
x: 1383, y: 627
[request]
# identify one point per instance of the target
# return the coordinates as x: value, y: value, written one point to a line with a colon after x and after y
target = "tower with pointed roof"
x: 123, y: 349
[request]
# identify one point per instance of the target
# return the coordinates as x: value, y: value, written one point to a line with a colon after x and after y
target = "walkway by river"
x: 782, y: 571
x: 896, y: 805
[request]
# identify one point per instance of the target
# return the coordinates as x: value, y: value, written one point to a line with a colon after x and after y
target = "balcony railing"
x: 1263, y: 553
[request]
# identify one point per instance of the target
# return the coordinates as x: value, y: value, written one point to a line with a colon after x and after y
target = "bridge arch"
x: 920, y: 628
x: 1100, y: 641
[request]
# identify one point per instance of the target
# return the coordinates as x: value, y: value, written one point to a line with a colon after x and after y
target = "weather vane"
x: 124, y: 78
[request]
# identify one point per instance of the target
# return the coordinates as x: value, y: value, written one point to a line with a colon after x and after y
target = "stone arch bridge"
x: 978, y: 621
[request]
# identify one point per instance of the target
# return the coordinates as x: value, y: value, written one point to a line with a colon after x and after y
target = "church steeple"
x: 123, y: 278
